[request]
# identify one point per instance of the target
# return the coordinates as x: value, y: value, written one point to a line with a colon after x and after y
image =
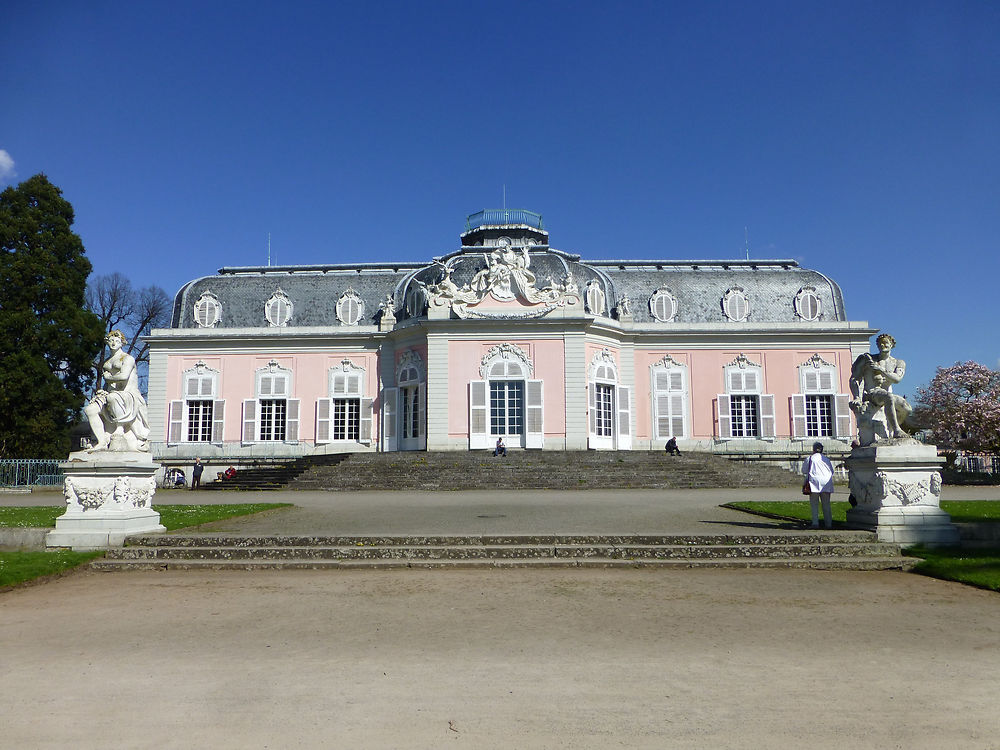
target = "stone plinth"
x: 898, y: 489
x: 109, y: 495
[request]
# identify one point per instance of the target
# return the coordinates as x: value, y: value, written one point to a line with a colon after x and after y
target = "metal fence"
x: 25, y: 472
x: 980, y: 463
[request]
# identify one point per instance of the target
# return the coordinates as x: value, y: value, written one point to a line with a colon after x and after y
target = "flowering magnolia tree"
x: 961, y: 407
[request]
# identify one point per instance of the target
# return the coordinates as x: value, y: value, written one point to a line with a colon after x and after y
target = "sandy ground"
x: 500, y: 659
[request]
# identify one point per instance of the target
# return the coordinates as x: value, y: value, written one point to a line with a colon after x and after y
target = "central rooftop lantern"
x: 521, y: 227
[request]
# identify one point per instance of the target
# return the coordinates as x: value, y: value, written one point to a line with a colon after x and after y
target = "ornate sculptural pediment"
x: 506, y: 278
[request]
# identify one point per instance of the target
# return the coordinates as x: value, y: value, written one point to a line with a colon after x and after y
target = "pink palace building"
x: 504, y: 337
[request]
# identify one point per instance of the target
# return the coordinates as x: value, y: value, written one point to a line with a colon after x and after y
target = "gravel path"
x: 500, y: 659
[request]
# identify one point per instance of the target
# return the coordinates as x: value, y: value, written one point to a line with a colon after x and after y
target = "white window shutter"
x: 661, y: 415
x: 725, y: 416
x: 250, y: 420
x: 842, y: 421
x: 280, y: 385
x: 751, y: 381
x: 826, y: 381
x: 322, y: 420
x: 175, y: 419
x: 677, y: 428
x: 208, y: 386
x: 422, y: 414
x: 390, y: 397
x: 767, y: 416
x: 218, y: 420
x: 479, y: 413
x: 292, y: 421
x: 191, y: 387
x: 266, y: 385
x: 592, y: 411
x: 735, y: 381
x: 354, y: 384
x: 810, y: 381
x: 624, y: 418
x: 798, y: 415
x: 365, y: 428
x: 534, y: 436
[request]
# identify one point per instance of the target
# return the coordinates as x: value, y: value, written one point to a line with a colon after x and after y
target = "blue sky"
x: 862, y: 139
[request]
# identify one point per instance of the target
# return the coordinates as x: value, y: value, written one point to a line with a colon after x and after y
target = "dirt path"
x: 505, y: 659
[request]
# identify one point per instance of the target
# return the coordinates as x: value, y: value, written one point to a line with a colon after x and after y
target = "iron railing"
x: 501, y: 216
x: 25, y: 472
x: 980, y: 463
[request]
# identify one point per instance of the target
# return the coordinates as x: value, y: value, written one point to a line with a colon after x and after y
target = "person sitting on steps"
x: 501, y: 449
x: 671, y: 447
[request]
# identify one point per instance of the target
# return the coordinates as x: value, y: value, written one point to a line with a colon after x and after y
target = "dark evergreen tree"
x: 48, y: 340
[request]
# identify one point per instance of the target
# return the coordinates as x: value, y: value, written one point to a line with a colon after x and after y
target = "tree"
x: 48, y: 341
x: 961, y: 407
x: 135, y: 312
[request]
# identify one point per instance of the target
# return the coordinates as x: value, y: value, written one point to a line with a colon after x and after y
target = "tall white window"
x: 669, y: 380
x: 273, y: 416
x: 609, y: 405
x: 346, y: 416
x: 404, y: 407
x: 507, y: 403
x: 819, y: 411
x: 200, y: 416
x: 744, y: 411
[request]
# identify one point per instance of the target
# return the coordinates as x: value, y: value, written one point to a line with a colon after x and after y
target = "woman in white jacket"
x: 818, y: 472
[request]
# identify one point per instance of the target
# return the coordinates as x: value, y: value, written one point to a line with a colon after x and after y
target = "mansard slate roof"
x: 697, y: 285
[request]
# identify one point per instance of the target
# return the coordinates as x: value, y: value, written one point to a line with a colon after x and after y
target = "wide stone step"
x: 887, y: 562
x: 228, y: 540
x: 627, y: 552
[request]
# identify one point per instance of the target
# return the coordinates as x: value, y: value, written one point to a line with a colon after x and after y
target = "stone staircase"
x: 818, y: 550
x: 557, y: 470
x: 274, y: 475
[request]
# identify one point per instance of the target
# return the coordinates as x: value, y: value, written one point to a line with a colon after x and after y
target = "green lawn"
x: 976, y: 567
x: 172, y: 516
x: 18, y: 566
x: 961, y: 511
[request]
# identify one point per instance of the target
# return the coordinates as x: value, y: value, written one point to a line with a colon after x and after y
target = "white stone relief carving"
x: 668, y: 362
x: 506, y: 277
x: 504, y: 351
x: 594, y: 297
x: 816, y: 361
x: 743, y: 362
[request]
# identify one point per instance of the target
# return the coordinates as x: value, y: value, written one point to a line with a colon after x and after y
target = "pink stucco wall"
x: 548, y: 357
x: 706, y: 380
x: 310, y: 381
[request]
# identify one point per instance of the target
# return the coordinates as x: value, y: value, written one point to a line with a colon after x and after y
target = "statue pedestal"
x: 898, y: 489
x: 109, y: 495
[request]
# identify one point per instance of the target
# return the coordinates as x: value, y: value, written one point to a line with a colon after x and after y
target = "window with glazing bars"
x: 605, y: 418
x: 506, y: 407
x: 345, y: 419
x: 272, y: 419
x: 744, y: 416
x: 199, y: 429
x: 819, y: 416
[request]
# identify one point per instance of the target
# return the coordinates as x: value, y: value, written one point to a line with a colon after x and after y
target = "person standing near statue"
x: 196, y: 472
x: 818, y: 472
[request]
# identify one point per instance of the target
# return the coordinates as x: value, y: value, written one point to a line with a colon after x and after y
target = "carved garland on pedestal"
x: 129, y: 492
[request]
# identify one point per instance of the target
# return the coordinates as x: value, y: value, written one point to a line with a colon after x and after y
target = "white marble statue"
x: 119, y: 409
x: 880, y: 412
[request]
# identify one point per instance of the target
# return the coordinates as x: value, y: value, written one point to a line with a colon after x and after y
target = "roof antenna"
x: 505, y: 196
x: 268, y: 249
x: 746, y: 241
